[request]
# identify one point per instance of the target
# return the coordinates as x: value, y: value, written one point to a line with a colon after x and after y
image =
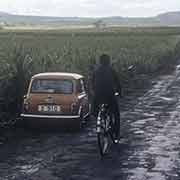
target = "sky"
x: 89, y: 8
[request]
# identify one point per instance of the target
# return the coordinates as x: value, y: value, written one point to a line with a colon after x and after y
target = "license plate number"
x: 49, y: 108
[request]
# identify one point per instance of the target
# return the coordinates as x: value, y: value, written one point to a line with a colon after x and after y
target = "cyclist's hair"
x: 104, y: 59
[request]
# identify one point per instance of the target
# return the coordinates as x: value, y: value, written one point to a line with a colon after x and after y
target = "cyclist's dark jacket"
x: 105, y: 83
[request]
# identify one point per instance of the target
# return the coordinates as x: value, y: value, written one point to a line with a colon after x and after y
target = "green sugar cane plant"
x: 177, y: 51
x: 15, y: 75
x: 54, y: 51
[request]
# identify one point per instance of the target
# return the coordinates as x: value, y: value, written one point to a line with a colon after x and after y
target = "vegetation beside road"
x: 24, y: 53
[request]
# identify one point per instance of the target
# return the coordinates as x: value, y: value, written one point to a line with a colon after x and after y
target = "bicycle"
x: 105, y: 128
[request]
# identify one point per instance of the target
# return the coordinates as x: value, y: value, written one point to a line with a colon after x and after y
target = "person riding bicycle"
x: 105, y: 83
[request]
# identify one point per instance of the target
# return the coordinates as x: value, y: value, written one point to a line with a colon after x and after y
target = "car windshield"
x: 52, y: 86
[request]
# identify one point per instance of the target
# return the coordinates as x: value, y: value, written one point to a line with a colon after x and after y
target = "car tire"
x: 24, y: 123
x: 78, y: 125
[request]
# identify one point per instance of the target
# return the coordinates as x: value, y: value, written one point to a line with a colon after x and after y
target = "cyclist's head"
x: 105, y: 59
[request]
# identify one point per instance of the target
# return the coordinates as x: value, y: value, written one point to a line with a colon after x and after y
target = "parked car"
x: 56, y: 99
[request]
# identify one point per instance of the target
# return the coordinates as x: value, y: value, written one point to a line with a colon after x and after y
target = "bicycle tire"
x: 103, y: 137
x: 112, y: 130
x: 103, y: 143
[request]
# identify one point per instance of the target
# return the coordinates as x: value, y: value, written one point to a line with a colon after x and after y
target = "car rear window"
x: 52, y: 86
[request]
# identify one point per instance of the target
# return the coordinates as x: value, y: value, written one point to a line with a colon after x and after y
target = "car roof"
x: 57, y: 75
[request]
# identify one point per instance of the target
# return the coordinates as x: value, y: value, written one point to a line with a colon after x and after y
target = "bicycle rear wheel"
x: 103, y: 135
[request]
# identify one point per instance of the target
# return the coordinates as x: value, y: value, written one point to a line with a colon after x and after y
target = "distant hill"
x: 4, y: 14
x: 166, y: 19
x: 172, y: 18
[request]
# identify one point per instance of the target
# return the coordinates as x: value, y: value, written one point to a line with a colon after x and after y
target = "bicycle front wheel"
x: 113, y: 129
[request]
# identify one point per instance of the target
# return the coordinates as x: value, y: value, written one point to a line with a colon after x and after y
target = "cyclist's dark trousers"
x: 114, y: 107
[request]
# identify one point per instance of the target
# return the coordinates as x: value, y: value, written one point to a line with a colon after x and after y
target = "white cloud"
x: 89, y: 7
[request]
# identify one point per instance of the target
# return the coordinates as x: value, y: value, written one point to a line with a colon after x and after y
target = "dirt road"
x: 149, y: 148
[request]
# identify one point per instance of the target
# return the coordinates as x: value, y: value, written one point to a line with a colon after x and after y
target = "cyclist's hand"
x: 116, y: 94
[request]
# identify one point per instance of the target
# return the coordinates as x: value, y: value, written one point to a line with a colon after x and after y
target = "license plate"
x: 49, y: 108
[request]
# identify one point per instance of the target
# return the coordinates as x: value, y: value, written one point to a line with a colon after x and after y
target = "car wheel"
x: 78, y: 125
x: 23, y: 123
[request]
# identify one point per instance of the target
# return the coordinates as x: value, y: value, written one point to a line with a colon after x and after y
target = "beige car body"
x: 74, y: 107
